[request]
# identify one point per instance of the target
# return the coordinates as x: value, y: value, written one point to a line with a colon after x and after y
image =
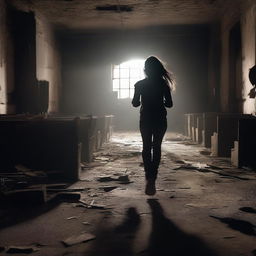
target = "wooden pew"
x: 243, y: 154
x: 186, y: 125
x: 199, y: 129
x: 41, y: 144
x: 227, y: 132
x: 194, y: 127
x: 93, y: 132
x: 209, y: 127
x: 52, y: 142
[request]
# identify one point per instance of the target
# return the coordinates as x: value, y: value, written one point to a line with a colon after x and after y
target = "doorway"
x: 235, y: 70
x: 23, y: 31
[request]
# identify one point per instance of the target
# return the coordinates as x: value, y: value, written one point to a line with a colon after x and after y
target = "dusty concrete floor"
x: 203, y: 206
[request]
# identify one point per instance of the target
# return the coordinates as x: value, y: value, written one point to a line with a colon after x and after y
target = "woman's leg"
x: 146, y: 134
x: 158, y: 134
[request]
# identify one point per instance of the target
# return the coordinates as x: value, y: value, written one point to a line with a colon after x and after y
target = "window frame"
x: 116, y: 71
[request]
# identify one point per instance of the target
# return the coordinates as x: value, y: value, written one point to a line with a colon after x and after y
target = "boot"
x: 150, y: 189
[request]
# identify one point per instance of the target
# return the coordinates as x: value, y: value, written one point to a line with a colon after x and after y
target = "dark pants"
x: 152, y: 133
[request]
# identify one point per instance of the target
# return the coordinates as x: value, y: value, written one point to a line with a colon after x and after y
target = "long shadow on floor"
x: 17, y: 213
x: 242, y: 226
x: 165, y: 238
x: 117, y: 240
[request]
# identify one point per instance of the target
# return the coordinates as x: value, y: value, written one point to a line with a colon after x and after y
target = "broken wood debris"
x: 106, y: 179
x: 69, y: 196
x: 108, y: 188
x: 21, y: 249
x: 193, y: 166
x: 202, y: 167
x: 72, y: 217
x: 86, y: 223
x: 82, y: 238
x: 91, y: 205
x: 30, y: 172
x: 25, y: 196
x: 122, y: 179
x: 90, y: 165
x: 65, y: 189
x: 102, y: 158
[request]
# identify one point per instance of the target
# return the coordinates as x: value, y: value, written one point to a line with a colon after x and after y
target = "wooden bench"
x: 209, y: 126
x: 227, y: 132
x: 194, y: 126
x: 93, y: 131
x: 199, y: 129
x: 243, y: 154
x: 186, y: 125
x: 41, y: 144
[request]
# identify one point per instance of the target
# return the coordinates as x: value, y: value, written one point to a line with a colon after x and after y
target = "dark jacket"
x: 154, y: 95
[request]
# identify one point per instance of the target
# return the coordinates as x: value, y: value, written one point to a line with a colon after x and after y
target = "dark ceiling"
x: 95, y: 14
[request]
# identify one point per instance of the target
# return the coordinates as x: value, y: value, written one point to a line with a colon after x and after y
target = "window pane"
x: 135, y: 73
x: 116, y: 84
x: 116, y: 73
x: 124, y: 73
x: 124, y: 83
x: 133, y: 82
x: 131, y: 93
x: 125, y: 77
x: 124, y: 93
x: 124, y: 65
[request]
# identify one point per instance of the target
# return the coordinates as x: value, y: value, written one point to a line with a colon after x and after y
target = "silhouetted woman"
x: 153, y: 94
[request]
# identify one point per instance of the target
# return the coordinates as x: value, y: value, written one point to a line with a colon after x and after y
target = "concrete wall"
x: 6, y: 64
x: 214, y: 71
x: 3, y: 96
x: 248, y: 22
x: 228, y: 21
x: 246, y: 15
x: 87, y: 59
x: 48, y: 61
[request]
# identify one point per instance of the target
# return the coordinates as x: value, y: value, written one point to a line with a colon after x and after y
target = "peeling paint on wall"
x: 48, y: 61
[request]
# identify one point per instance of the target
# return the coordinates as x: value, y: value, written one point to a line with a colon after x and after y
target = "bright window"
x: 125, y: 75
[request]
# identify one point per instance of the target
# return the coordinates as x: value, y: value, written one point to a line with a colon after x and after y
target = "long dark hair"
x: 155, y: 68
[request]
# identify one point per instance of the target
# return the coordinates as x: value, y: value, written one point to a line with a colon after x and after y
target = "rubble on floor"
x: 202, y: 200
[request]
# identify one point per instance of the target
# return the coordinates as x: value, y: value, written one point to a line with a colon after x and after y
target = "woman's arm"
x: 136, y: 97
x: 168, y: 97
